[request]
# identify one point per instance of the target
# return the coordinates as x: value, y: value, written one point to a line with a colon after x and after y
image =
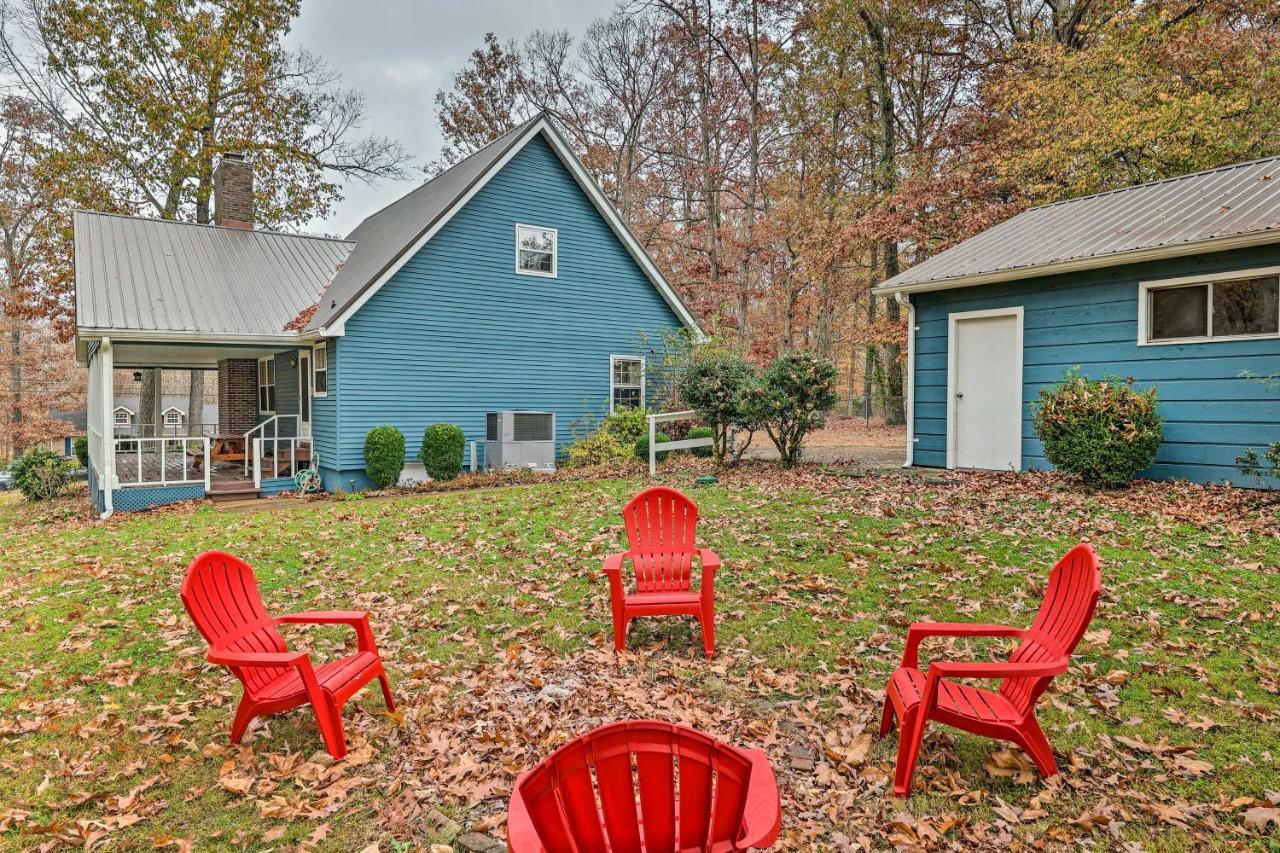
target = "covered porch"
x: 261, y: 437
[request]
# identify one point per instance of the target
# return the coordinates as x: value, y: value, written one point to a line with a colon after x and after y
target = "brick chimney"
x: 233, y: 191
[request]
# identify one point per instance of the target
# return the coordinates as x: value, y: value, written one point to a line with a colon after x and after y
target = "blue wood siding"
x: 1090, y: 319
x: 457, y: 333
x: 324, y: 412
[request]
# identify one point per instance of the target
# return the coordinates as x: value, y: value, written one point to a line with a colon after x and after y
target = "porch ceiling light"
x: 137, y: 376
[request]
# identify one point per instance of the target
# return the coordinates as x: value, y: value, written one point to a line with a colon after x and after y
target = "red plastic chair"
x: 661, y: 787
x: 661, y: 524
x: 221, y: 596
x: 1009, y: 713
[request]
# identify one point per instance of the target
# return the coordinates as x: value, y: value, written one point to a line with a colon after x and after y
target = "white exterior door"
x: 984, y: 389
x: 304, y: 393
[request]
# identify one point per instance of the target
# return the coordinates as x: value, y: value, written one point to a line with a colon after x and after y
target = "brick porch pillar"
x: 237, y: 395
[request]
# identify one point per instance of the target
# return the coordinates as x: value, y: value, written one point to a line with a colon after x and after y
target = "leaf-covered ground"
x: 492, y: 618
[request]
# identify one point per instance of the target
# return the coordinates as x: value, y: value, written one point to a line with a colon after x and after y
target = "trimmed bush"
x: 715, y: 385
x: 701, y: 432
x: 641, y: 447
x: 41, y: 474
x: 81, y: 449
x: 384, y: 455
x: 441, y: 453
x: 599, y: 448
x: 627, y: 425
x: 1104, y: 431
x: 792, y: 397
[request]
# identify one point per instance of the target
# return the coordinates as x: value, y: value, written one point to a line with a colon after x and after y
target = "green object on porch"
x: 706, y: 480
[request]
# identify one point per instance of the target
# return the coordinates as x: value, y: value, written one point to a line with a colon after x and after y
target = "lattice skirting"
x: 146, y: 497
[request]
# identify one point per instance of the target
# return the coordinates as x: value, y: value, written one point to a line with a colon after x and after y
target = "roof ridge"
x: 263, y: 231
x: 517, y: 130
x: 1176, y: 178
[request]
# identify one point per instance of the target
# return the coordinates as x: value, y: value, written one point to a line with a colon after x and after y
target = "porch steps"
x: 235, y: 491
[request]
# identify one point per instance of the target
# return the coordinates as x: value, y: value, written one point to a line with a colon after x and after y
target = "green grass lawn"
x: 493, y: 620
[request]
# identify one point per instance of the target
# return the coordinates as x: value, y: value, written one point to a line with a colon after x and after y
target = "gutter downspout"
x: 904, y: 299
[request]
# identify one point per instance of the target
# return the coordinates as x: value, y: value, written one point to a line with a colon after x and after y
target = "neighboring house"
x: 1173, y: 284
x: 73, y: 426
x: 507, y: 282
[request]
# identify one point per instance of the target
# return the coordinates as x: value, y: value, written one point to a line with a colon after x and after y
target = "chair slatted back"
x: 643, y: 785
x: 661, y: 526
x: 1069, y: 601
x: 220, y: 594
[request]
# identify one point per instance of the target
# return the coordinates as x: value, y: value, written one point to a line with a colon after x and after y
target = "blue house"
x: 1173, y: 284
x: 507, y: 283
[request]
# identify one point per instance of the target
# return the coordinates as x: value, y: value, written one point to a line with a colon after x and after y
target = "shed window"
x: 172, y: 418
x: 320, y: 370
x: 626, y: 382
x: 1214, y: 310
x: 121, y: 417
x: 266, y: 386
x: 535, y: 250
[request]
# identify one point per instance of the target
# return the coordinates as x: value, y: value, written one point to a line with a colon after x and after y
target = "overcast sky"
x: 400, y: 52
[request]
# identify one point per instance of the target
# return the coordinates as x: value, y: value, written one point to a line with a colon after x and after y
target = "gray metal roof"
x: 385, y: 236
x: 157, y: 275
x: 1169, y: 217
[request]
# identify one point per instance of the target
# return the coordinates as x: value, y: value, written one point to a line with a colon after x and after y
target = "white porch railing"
x: 685, y: 444
x: 282, y: 456
x: 260, y: 431
x: 161, y: 461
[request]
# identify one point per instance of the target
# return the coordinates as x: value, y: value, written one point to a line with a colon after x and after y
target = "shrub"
x: 627, y: 425
x: 1104, y: 431
x: 41, y: 474
x: 700, y: 432
x: 715, y: 385
x: 641, y: 447
x: 384, y: 455
x: 792, y: 397
x: 599, y: 448
x: 441, y: 453
x: 81, y: 449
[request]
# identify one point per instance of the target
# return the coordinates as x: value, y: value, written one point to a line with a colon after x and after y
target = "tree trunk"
x: 147, y: 414
x: 195, y: 403
x: 15, y: 386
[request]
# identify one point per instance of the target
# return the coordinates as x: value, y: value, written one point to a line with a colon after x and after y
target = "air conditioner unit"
x: 520, y: 440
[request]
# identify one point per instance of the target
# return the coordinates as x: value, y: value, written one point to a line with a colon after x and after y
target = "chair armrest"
x: 919, y: 630
x: 762, y: 813
x: 229, y: 658
x: 710, y: 563
x: 613, y: 563
x: 358, y: 619
x: 521, y: 836
x: 959, y: 669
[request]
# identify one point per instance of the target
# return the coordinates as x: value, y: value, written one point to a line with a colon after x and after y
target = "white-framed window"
x: 536, y: 250
x: 626, y: 382
x: 320, y: 370
x: 267, y: 386
x: 122, y: 417
x: 172, y: 417
x: 1215, y: 307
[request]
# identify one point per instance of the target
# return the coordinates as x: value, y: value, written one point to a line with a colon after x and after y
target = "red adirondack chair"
x: 715, y: 797
x: 914, y: 697
x: 221, y: 595
x: 661, y: 524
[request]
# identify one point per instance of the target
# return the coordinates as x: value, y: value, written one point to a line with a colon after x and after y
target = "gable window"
x: 172, y: 418
x: 1210, y: 308
x: 626, y: 382
x: 536, y: 250
x: 267, y: 385
x: 320, y: 370
x: 122, y: 417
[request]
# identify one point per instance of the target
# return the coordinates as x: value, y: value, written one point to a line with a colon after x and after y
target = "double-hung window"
x: 626, y: 382
x: 320, y: 370
x: 1210, y: 308
x: 536, y: 250
x: 267, y: 386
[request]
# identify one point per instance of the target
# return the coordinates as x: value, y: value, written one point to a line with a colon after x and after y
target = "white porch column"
x: 106, y: 417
